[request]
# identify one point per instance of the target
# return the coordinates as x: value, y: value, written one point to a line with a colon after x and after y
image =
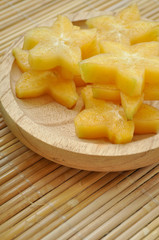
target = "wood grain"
x: 35, y: 122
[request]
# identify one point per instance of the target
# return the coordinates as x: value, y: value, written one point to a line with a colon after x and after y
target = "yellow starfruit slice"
x: 146, y: 120
x: 129, y: 68
x: 143, y: 31
x: 114, y: 28
x: 34, y: 84
x: 35, y: 36
x: 21, y: 57
x: 103, y: 119
x: 108, y: 92
x: 131, y: 104
x: 53, y: 54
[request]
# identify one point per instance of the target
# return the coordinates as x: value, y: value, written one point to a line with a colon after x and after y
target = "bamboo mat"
x: 43, y: 200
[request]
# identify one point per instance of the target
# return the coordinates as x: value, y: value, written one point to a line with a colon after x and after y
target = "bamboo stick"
x: 141, y: 224
x: 24, y: 14
x: 8, y: 144
x: 18, y: 168
x: 107, y: 200
x: 55, y: 9
x: 2, y: 125
x: 1, y: 119
x: 21, y: 176
x: 13, y: 155
x: 16, y: 161
x: 71, y: 207
x: 147, y: 230
x: 6, y: 4
x: 58, y: 185
x: 26, y: 183
x: 113, y: 217
x: 4, y: 131
x: 153, y: 235
x: 23, y: 7
x: 8, y: 137
x: 127, y: 229
x: 32, y: 193
x: 10, y: 149
x: 53, y: 205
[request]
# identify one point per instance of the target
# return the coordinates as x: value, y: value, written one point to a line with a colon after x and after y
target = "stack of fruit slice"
x: 116, y: 56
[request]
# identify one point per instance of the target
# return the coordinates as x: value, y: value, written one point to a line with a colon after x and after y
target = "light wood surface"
x: 29, y: 212
x: 48, y: 129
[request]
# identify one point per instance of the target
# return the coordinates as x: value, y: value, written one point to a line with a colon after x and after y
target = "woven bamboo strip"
x: 6, y: 138
x: 69, y: 209
x: 150, y: 14
x: 33, y: 192
x: 109, y: 221
x: 23, y: 15
x: 140, y: 224
x: 2, y: 125
x: 1, y: 119
x: 113, y: 217
x: 126, y: 229
x: 8, y: 144
x: 16, y: 161
x: 106, y: 201
x: 154, y: 235
x: 6, y: 4
x: 66, y: 207
x: 18, y: 178
x: 79, y: 220
x: 147, y: 8
x: 12, y: 155
x: 30, y: 23
x: 4, y: 131
x: 53, y: 205
x: 29, y: 195
x: 41, y: 15
x: 58, y: 185
x: 21, y: 10
x: 11, y: 149
x: 27, y: 182
x: 148, y: 229
x: 18, y: 168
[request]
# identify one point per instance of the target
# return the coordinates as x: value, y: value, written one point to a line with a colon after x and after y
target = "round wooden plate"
x: 48, y: 128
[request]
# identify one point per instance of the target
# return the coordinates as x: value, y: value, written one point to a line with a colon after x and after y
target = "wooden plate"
x: 48, y: 129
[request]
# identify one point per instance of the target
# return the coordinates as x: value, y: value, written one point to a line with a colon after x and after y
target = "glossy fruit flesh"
x: 146, y: 120
x: 102, y: 119
x: 21, y: 57
x: 34, y: 84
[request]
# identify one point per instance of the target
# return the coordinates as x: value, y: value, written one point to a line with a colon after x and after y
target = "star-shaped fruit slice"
x: 21, y: 57
x: 126, y: 66
x: 55, y: 53
x: 143, y: 31
x: 146, y: 120
x: 101, y: 119
x: 114, y: 28
x: 63, y: 45
x: 34, y: 84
